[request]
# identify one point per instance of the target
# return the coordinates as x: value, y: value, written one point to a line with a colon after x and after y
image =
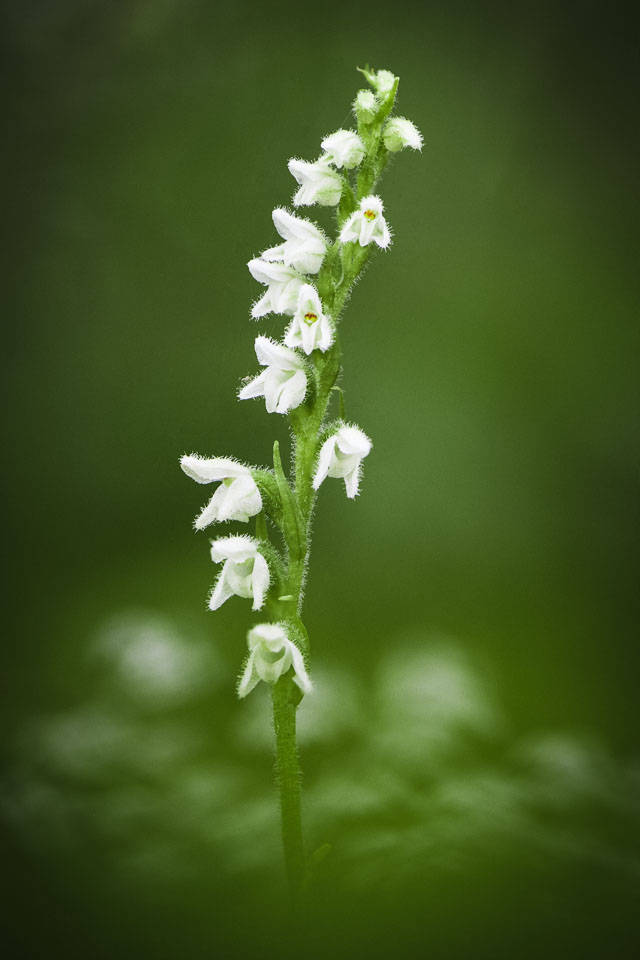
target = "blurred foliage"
x: 491, y: 357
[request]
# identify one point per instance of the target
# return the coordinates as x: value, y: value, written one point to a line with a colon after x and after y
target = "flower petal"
x: 221, y: 591
x: 301, y: 676
x: 236, y: 548
x: 293, y: 392
x: 254, y: 388
x: 204, y: 470
x: 260, y: 581
x: 249, y: 678
x: 324, y: 461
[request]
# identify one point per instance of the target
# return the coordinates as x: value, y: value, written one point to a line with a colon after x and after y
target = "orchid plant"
x: 308, y: 278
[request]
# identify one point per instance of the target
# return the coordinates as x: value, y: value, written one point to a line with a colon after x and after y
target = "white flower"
x: 365, y: 105
x: 237, y: 497
x: 310, y: 328
x: 283, y: 384
x: 272, y: 655
x: 344, y: 148
x: 399, y: 133
x: 318, y: 183
x: 304, y: 244
x: 383, y: 81
x: 367, y: 224
x: 341, y: 456
x: 245, y: 572
x: 283, y: 284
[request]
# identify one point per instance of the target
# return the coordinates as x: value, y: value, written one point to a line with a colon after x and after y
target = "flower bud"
x: 400, y: 133
x: 365, y: 106
x: 344, y: 148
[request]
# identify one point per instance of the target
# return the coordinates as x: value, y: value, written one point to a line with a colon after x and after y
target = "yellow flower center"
x: 370, y: 214
x: 310, y: 318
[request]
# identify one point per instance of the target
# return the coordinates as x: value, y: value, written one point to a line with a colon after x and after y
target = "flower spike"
x: 308, y: 278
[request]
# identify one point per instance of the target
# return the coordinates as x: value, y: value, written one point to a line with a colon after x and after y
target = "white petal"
x: 324, y: 461
x: 249, y: 679
x: 221, y: 591
x: 301, y: 676
x: 384, y: 239
x: 254, y: 388
x: 273, y: 635
x: 293, y: 392
x: 372, y: 202
x: 261, y: 307
x: 353, y: 440
x: 292, y: 335
x: 295, y: 228
x: 260, y: 581
x: 209, y: 513
x: 271, y: 670
x: 308, y: 335
x: 352, y: 481
x: 272, y: 389
x: 326, y: 334
x: 350, y: 231
x: 204, y: 470
x: 268, y: 273
x: 239, y: 501
x: 273, y: 254
x: 238, y: 549
x: 274, y: 354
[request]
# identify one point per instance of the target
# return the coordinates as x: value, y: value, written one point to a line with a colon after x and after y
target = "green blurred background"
x: 471, y: 751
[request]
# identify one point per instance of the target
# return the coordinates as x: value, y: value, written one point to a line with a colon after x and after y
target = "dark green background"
x: 483, y: 802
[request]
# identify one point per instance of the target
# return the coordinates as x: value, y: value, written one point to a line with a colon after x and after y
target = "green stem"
x: 288, y: 779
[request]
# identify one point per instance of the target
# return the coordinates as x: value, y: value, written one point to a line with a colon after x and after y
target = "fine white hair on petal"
x: 310, y: 328
x: 341, y: 456
x: 221, y: 591
x: 400, y: 133
x: 384, y: 81
x: 272, y: 654
x: 318, y: 183
x: 211, y: 469
x: 324, y: 460
x: 344, y: 148
x: 249, y: 678
x: 291, y: 227
x: 269, y: 633
x: 283, y: 382
x: 353, y: 440
x: 367, y: 224
x: 275, y: 354
x: 301, y: 678
x: 238, y: 548
x: 260, y: 580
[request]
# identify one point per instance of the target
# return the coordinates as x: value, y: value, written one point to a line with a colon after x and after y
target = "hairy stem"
x: 288, y: 779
